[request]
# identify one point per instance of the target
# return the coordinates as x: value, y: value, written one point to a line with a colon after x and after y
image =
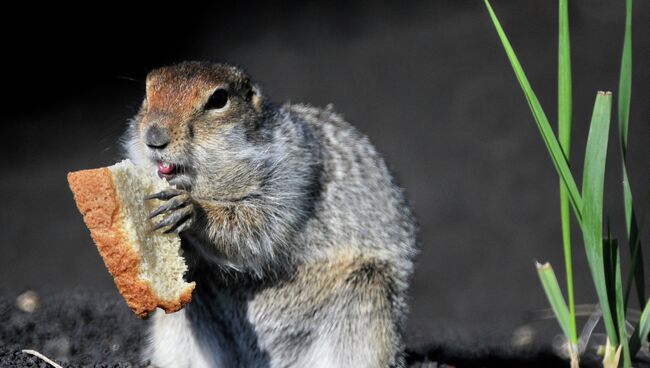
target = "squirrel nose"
x: 156, y: 138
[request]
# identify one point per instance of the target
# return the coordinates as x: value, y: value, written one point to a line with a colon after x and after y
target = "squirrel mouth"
x: 167, y: 170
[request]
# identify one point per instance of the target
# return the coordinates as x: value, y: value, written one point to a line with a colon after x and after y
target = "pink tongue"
x: 164, y: 169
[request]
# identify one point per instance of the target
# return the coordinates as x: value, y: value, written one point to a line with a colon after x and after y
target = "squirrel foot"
x: 178, y: 212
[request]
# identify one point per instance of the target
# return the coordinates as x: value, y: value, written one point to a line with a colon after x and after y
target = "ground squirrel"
x: 297, y: 236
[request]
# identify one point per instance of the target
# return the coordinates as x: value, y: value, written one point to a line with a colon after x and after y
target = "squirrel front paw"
x: 178, y: 212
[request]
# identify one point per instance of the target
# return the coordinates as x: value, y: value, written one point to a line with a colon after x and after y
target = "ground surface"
x: 83, y: 328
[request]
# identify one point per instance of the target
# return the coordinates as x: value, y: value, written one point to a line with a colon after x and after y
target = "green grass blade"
x: 551, y: 142
x: 592, y: 199
x: 641, y: 331
x: 636, y: 272
x: 565, y: 105
x: 564, y: 93
x: 636, y: 253
x: 615, y: 288
x: 609, y: 262
x: 644, y: 323
x: 624, y: 97
x: 635, y: 339
x: 625, y: 78
x: 620, y: 309
x: 555, y: 298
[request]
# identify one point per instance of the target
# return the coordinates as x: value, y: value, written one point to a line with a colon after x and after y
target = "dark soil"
x: 83, y: 328
x: 77, y: 328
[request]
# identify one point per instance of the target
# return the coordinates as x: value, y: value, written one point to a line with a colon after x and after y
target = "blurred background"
x: 428, y: 81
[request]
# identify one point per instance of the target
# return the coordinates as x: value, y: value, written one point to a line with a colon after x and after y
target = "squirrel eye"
x: 218, y: 100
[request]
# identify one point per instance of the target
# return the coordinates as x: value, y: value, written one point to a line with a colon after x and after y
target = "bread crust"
x: 97, y: 200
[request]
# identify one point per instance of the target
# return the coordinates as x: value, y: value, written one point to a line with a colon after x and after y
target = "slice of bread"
x: 147, y: 266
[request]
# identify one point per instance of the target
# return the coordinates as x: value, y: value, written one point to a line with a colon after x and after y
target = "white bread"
x: 147, y: 266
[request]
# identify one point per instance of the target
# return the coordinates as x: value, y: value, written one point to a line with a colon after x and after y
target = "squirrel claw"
x: 172, y: 204
x: 175, y: 220
x: 179, y: 210
x: 165, y: 194
x: 179, y: 227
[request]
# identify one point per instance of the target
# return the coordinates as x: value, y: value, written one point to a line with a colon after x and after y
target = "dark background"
x: 427, y: 81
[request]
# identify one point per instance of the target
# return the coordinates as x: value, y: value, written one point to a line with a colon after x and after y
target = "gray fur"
x: 318, y: 277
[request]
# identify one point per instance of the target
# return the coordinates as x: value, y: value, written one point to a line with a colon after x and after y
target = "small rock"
x: 523, y: 337
x: 28, y: 301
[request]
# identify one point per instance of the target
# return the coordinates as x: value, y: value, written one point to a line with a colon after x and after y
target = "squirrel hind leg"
x: 365, y: 314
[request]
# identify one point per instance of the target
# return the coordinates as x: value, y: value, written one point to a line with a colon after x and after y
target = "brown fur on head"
x: 180, y: 124
x: 180, y: 91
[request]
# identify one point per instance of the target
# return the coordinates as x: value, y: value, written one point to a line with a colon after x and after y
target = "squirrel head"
x: 200, y: 126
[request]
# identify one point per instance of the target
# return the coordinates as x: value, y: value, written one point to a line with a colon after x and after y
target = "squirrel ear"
x: 255, y: 96
x: 144, y: 105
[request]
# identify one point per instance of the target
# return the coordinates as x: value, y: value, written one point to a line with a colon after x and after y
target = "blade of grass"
x: 615, y: 288
x: 637, y: 246
x: 636, y: 272
x: 565, y: 105
x: 551, y: 142
x: 559, y: 307
x: 620, y: 314
x: 554, y: 296
x: 620, y: 307
x: 640, y: 334
x: 609, y: 262
x: 592, y: 197
x: 644, y: 323
x: 625, y: 78
x: 624, y: 96
x: 564, y: 93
